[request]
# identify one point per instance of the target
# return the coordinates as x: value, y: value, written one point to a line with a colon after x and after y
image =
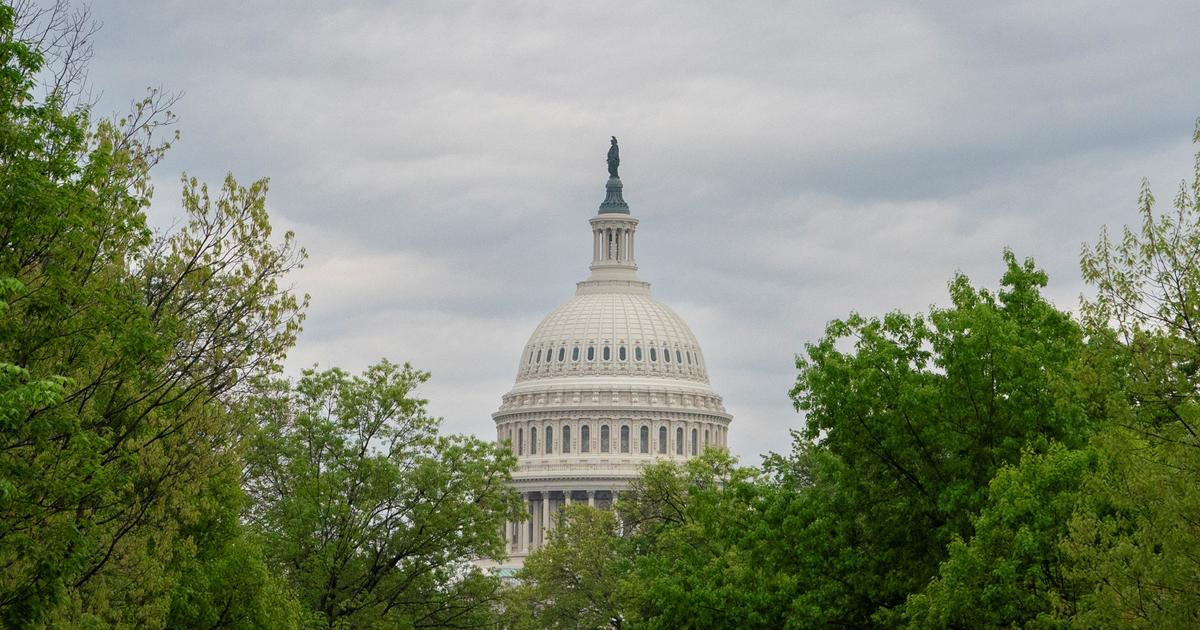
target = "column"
x: 545, y: 518
x: 507, y: 535
x: 522, y: 529
x: 591, y: 498
x: 568, y: 495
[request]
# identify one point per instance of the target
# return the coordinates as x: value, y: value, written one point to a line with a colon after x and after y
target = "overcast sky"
x: 789, y: 162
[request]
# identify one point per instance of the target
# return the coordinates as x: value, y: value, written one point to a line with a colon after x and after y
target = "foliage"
x: 1135, y: 541
x: 573, y: 581
x: 121, y: 354
x: 920, y: 414
x: 1012, y: 571
x: 372, y: 516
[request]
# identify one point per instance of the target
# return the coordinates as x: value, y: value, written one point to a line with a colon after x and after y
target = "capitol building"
x: 609, y: 381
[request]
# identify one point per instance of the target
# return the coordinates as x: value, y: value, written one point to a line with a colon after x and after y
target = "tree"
x: 1135, y: 540
x: 575, y: 580
x: 1012, y: 572
x: 370, y: 514
x: 122, y: 352
x: 916, y: 420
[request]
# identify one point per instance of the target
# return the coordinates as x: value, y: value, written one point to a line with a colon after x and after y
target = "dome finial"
x: 614, y: 158
x: 613, y: 201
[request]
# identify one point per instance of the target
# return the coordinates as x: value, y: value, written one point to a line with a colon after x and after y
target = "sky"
x: 790, y: 162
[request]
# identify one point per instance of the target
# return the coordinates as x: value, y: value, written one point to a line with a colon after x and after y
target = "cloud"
x: 790, y: 162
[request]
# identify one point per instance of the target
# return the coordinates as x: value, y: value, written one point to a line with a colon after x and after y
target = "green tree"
x: 1135, y: 542
x: 372, y: 515
x: 1012, y: 572
x: 574, y: 581
x: 121, y: 351
x: 916, y: 417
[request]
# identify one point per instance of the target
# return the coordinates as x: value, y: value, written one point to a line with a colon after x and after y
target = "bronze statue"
x: 614, y: 158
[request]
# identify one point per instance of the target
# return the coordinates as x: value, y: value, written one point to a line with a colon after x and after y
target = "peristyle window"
x: 644, y: 440
x: 566, y: 441
x: 604, y: 439
x: 625, y: 439
x: 585, y: 439
x: 662, y: 440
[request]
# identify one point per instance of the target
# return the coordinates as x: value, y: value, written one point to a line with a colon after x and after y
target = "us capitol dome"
x: 609, y: 381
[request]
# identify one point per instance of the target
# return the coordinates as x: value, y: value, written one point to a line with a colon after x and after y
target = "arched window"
x: 679, y: 441
x: 653, y: 355
x: 566, y: 441
x: 533, y: 440
x: 549, y: 433
x: 604, y: 439
x: 706, y: 438
x: 520, y: 441
x: 575, y: 353
x: 695, y: 448
x: 585, y: 439
x: 625, y: 439
x: 621, y: 353
x: 591, y: 353
x: 644, y: 440
x: 637, y: 353
x: 606, y: 353
x: 662, y: 440
x: 562, y: 354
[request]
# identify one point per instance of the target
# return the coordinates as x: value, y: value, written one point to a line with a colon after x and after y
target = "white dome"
x: 610, y: 381
x: 613, y: 334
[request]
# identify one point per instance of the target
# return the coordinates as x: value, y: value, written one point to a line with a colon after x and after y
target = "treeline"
x: 154, y: 470
x: 996, y: 463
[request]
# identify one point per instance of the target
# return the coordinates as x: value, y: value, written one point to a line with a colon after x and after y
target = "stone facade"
x: 610, y: 381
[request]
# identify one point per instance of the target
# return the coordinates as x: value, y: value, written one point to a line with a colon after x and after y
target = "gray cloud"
x: 790, y: 162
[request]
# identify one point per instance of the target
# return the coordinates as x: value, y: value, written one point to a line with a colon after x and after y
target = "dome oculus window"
x: 678, y: 357
x: 591, y: 353
x: 562, y: 354
x: 621, y: 353
x: 549, y: 354
x: 653, y: 355
x: 666, y: 355
x: 606, y: 353
x: 637, y: 353
x: 575, y: 353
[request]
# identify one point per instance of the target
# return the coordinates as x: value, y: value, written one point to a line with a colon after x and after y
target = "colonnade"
x: 543, y: 508
x: 613, y: 245
x: 603, y: 436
